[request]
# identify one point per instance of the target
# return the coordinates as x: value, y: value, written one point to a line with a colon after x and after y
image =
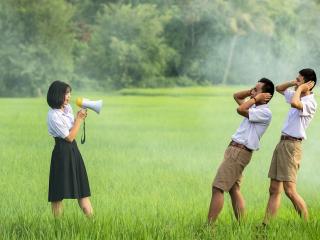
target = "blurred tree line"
x: 113, y: 44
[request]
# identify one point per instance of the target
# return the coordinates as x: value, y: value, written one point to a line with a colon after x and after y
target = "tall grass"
x: 151, y: 159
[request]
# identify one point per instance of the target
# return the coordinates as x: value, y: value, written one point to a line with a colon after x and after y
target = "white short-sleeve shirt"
x: 251, y: 129
x: 60, y: 122
x: 298, y: 120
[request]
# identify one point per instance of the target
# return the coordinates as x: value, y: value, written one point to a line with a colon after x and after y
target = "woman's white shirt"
x: 60, y: 121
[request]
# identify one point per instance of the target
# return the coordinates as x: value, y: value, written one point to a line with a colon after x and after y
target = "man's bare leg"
x: 237, y: 200
x: 275, y: 190
x: 297, y: 201
x: 216, y: 204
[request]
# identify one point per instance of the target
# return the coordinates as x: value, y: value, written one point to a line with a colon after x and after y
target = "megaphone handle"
x: 83, y: 137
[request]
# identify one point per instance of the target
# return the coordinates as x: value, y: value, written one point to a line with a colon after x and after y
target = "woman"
x: 68, y: 177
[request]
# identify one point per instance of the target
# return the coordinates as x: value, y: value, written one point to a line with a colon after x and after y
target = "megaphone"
x: 86, y: 103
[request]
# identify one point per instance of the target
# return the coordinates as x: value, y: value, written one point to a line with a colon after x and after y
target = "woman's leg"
x: 57, y: 208
x: 86, y: 207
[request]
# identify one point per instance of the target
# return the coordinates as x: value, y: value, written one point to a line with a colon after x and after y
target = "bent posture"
x: 287, y: 154
x: 257, y: 117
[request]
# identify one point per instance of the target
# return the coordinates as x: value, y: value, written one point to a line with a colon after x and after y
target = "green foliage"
x: 197, y: 25
x: 36, y: 47
x: 128, y: 46
x: 153, y: 43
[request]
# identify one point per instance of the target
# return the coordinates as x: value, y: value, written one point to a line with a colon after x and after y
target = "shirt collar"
x: 311, y: 95
x: 261, y: 106
x: 59, y: 111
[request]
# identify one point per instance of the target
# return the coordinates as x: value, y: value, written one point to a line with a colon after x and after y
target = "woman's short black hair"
x: 56, y: 94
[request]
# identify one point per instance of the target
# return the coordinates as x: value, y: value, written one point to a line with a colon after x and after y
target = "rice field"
x: 151, y: 156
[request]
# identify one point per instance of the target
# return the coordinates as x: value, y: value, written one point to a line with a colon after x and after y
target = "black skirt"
x: 68, y: 175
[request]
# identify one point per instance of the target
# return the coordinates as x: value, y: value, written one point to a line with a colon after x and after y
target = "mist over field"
x: 107, y: 44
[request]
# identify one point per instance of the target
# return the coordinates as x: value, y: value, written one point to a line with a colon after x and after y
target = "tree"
x: 194, y: 31
x: 38, y: 45
x: 128, y: 47
x: 246, y: 17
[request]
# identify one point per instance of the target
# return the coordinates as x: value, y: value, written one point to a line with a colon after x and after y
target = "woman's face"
x: 67, y: 97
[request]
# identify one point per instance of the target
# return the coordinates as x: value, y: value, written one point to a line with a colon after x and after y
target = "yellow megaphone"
x: 86, y: 103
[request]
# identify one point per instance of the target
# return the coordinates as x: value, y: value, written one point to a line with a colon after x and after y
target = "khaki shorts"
x: 286, y: 161
x: 230, y: 170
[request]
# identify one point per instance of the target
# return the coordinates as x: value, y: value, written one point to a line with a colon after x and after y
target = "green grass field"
x: 151, y: 156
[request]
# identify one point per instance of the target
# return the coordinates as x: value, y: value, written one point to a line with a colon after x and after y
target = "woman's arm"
x: 81, y: 115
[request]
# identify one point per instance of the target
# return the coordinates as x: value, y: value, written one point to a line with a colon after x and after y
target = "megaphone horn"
x: 86, y: 103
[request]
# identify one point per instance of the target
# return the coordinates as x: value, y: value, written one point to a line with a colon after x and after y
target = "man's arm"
x: 239, y: 97
x: 295, y: 101
x: 282, y: 87
x: 262, y: 98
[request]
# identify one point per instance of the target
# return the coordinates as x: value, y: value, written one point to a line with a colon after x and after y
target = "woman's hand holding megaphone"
x: 82, y: 114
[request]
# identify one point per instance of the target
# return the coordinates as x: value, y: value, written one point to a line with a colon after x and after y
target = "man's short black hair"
x: 308, y: 75
x: 268, y: 86
x: 56, y: 94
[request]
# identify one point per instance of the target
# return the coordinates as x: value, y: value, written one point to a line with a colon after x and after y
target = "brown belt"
x: 238, y: 145
x: 286, y: 137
